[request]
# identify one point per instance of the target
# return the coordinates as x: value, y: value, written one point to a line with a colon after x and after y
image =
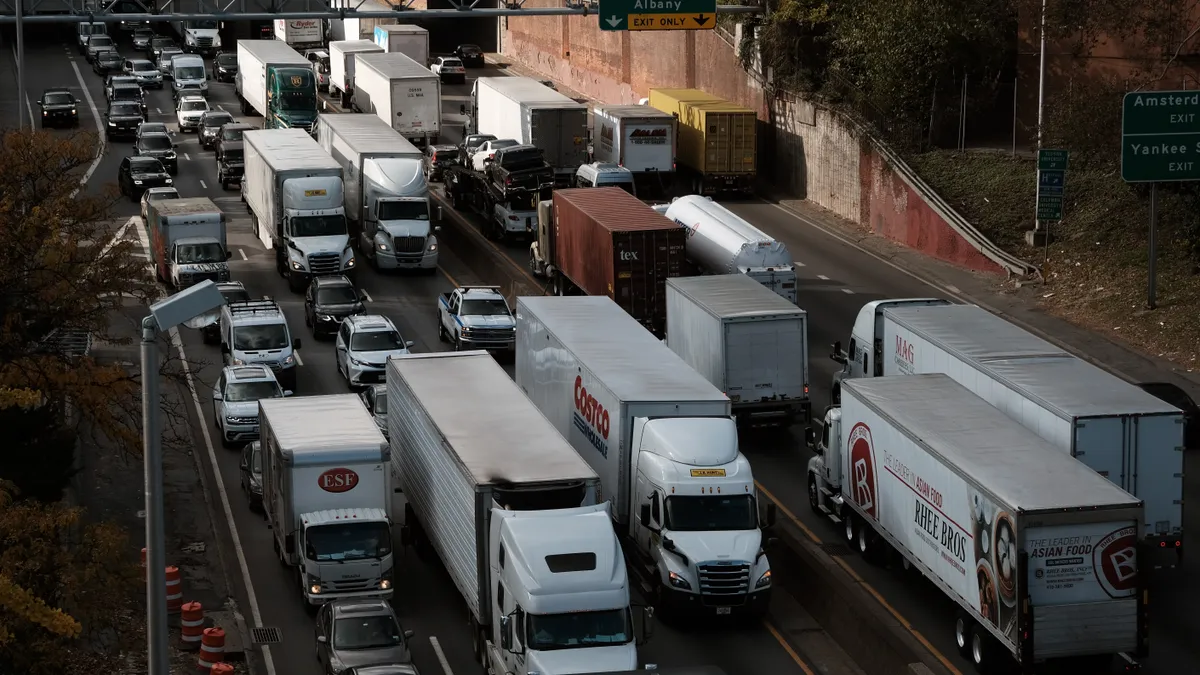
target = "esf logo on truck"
x: 338, y: 480
x: 590, y: 418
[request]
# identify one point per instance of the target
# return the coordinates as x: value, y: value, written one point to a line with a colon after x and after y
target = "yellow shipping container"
x: 716, y: 139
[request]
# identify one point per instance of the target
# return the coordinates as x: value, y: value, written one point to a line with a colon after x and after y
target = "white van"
x: 187, y: 70
x: 604, y: 174
x: 86, y: 30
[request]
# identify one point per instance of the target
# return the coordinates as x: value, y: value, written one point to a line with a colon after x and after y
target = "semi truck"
x: 387, y: 198
x: 327, y: 495
x: 506, y: 193
x: 341, y: 66
x: 604, y: 241
x: 1039, y: 553
x: 200, y: 36
x: 187, y: 241
x: 276, y: 82
x: 721, y: 242
x: 1128, y: 436
x: 401, y: 92
x: 407, y: 39
x: 639, y: 138
x: 531, y: 113
x: 717, y: 140
x: 300, y: 33
x: 664, y: 444
x: 747, y: 341
x: 295, y: 195
x: 515, y: 515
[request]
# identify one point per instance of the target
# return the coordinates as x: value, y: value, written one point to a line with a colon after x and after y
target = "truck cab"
x: 311, y: 239
x: 291, y: 98
x: 187, y: 241
x: 862, y: 357
x: 825, y: 470
x: 397, y: 229
x: 476, y: 317
x: 604, y: 174
x: 257, y: 332
x: 200, y: 36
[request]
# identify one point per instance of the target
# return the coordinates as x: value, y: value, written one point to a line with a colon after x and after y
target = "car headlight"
x: 171, y: 155
x: 239, y: 362
x: 73, y: 111
x: 465, y: 330
x: 679, y: 582
x: 314, y: 585
x: 137, y: 182
x: 112, y: 124
x: 324, y: 317
x: 764, y: 580
x: 351, y: 263
x: 289, y: 360
x: 354, y: 361
x: 169, y: 181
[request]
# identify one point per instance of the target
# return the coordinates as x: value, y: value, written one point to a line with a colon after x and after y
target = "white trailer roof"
x: 355, y: 46
x: 406, y: 28
x: 393, y: 65
x: 315, y: 429
x: 1014, y: 464
x: 617, y: 112
x: 275, y: 52
x: 733, y: 295
x: 367, y: 134
x: 632, y: 363
x: 290, y: 149
x: 1053, y: 376
x: 528, y: 91
x: 497, y: 433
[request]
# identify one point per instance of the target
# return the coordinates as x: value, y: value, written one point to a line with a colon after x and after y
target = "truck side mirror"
x: 409, y: 633
x: 296, y: 343
x: 287, y: 393
x: 438, y: 228
x: 644, y: 515
x: 506, y: 633
x: 224, y: 349
x: 647, y: 627
x: 322, y: 639
x: 810, y: 437
x: 772, y: 512
x: 218, y: 396
x: 837, y: 356
x: 462, y: 109
x: 228, y: 255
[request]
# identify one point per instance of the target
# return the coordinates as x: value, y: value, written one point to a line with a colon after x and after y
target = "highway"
x: 425, y: 597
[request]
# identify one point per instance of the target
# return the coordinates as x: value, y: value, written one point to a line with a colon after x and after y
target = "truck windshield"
x: 189, y: 73
x: 260, y: 337
x: 579, y: 629
x: 710, y: 513
x: 192, y: 254
x: 347, y: 541
x: 404, y: 210
x: 297, y: 100
x: 205, y: 24
x: 626, y: 185
x: 318, y: 226
x: 494, y: 307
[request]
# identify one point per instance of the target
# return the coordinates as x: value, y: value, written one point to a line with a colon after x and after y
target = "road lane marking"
x: 847, y: 291
x: 953, y: 289
x: 242, y: 252
x: 441, y: 656
x: 787, y: 648
x: 158, y: 110
x: 366, y: 294
x: 797, y: 263
x: 822, y: 277
x: 203, y: 186
x: 187, y: 157
x: 99, y: 132
x: 299, y: 361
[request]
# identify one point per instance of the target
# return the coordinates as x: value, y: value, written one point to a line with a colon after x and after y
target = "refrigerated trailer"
x: 401, y: 92
x: 638, y: 138
x: 341, y: 66
x: 528, y: 111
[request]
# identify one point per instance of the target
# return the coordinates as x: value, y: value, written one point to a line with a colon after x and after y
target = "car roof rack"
x: 479, y: 288
x: 265, y: 306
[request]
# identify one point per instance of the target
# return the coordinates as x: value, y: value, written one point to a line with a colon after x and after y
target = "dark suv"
x: 437, y: 158
x: 225, y: 67
x: 328, y: 302
x: 122, y: 120
x: 160, y: 147
x: 137, y: 174
x: 58, y: 108
x: 129, y: 93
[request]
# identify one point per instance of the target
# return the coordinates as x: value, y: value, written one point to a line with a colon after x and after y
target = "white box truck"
x: 361, y: 28
x: 276, y: 82
x: 662, y: 439
x: 300, y: 33
x: 515, y: 515
x: 402, y: 93
x: 294, y: 191
x: 1130, y: 437
x: 387, y: 197
x: 747, y: 341
x: 407, y: 39
x: 327, y: 494
x: 721, y: 242
x: 638, y: 138
x: 341, y: 66
x: 531, y: 113
x: 187, y: 241
x: 1039, y: 553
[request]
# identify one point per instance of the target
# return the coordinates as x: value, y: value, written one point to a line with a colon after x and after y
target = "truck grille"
x: 409, y: 244
x: 204, y: 42
x: 347, y: 586
x: 497, y: 334
x: 724, y: 583
x: 206, y: 276
x: 324, y: 263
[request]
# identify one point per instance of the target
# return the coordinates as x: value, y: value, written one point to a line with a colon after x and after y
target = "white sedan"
x: 488, y: 149
x: 449, y: 69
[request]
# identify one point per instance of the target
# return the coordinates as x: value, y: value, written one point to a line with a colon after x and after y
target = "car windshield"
x: 244, y: 392
x: 260, y: 337
x: 109, y: 57
x: 380, y: 403
x: 58, y: 99
x: 348, y: 541
x: 625, y: 184
x: 146, y: 165
x: 256, y: 460
x: 100, y: 41
x: 147, y: 128
x: 233, y: 156
x: 318, y: 226
x: 710, y: 513
x: 473, y: 142
x: 125, y: 110
x: 336, y: 295
x: 217, y: 120
x: 193, y: 106
x: 189, y: 73
x: 232, y: 134
x: 376, y: 341
x: 192, y: 254
x: 404, y: 210
x: 155, y: 143
x: 367, y: 632
x: 235, y: 295
x: 142, y: 66
x: 160, y: 42
x: 298, y: 100
x: 227, y: 59
x: 157, y: 194
x: 579, y: 629
x: 490, y: 307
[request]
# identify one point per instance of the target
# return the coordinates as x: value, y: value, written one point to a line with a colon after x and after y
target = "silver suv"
x: 235, y: 399
x: 364, y: 344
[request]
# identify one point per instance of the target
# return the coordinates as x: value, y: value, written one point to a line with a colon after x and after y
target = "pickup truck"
x: 477, y: 317
x: 506, y: 193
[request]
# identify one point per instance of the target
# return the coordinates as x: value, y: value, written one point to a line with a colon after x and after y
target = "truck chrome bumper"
x: 390, y: 261
x: 752, y: 604
x: 318, y: 600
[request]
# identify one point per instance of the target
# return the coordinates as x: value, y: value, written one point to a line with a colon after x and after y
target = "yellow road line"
x: 788, y: 648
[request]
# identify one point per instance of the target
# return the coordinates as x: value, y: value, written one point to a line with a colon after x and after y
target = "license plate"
x: 724, y: 610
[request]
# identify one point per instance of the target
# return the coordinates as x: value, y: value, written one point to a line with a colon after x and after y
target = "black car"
x: 231, y: 163
x: 157, y: 44
x: 328, y: 302
x: 108, y: 62
x: 142, y: 37
x: 137, y: 174
x: 437, y: 158
x: 160, y: 147
x: 225, y: 66
x: 470, y: 55
x: 58, y: 108
x: 129, y: 93
x: 210, y: 127
x: 122, y: 120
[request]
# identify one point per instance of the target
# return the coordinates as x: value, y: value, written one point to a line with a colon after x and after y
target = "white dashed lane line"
x: 203, y: 186
x: 242, y: 252
x: 299, y: 361
x: 187, y: 157
x: 822, y: 277
x: 366, y: 295
x: 847, y: 291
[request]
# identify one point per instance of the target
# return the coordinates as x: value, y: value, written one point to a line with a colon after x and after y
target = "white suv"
x: 235, y: 399
x: 364, y: 344
x: 188, y: 114
x: 449, y: 69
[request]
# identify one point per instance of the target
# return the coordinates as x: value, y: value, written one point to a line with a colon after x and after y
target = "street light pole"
x: 22, y: 98
x: 1041, y: 75
x: 156, y: 558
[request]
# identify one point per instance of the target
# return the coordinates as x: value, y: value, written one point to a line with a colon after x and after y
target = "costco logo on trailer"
x: 863, y: 485
x: 590, y: 418
x: 338, y: 480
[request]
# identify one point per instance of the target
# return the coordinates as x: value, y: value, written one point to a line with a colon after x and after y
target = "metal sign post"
x: 1051, y: 180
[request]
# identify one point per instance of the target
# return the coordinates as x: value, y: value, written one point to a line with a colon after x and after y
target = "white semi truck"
x: 515, y: 515
x: 662, y: 439
x: 402, y: 93
x: 407, y: 39
x: 327, y: 494
x: 387, y: 197
x: 200, y: 36
x: 640, y: 139
x: 294, y: 191
x: 1039, y: 552
x: 531, y: 113
x: 1130, y: 437
x: 341, y: 66
x: 721, y: 242
x: 747, y: 341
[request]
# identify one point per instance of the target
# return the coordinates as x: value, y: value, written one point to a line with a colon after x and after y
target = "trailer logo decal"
x: 864, y: 485
x: 906, y: 355
x: 338, y: 480
x: 1114, y: 559
x: 651, y: 136
x: 591, y: 419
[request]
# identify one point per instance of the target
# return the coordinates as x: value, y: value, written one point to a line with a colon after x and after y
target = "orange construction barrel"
x: 212, y: 649
x: 191, y: 626
x: 174, y: 590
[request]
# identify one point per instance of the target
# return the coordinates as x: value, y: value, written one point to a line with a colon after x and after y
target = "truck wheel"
x: 962, y: 633
x: 983, y: 650
x: 850, y: 527
x: 814, y: 495
x: 871, y: 546
x: 441, y: 331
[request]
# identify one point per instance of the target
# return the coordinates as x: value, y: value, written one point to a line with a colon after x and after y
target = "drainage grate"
x: 835, y: 548
x: 266, y: 635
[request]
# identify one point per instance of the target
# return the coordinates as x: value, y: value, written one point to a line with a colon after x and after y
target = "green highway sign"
x: 1049, y: 207
x: 1052, y: 160
x: 1160, y: 136
x: 619, y: 15
x: 1050, y: 194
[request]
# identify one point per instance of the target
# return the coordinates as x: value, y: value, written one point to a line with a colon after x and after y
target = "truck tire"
x: 962, y: 633
x: 441, y: 330
x: 985, y: 654
x: 814, y: 494
x: 849, y: 525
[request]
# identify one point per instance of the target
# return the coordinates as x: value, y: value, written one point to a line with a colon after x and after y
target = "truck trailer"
x: 295, y: 194
x: 639, y: 138
x: 604, y: 241
x: 327, y: 495
x: 187, y: 241
x: 361, y: 28
x: 401, y: 92
x: 717, y: 142
x: 387, y: 198
x: 721, y: 242
x: 341, y: 66
x: 276, y: 82
x: 300, y: 33
x: 404, y: 38
x: 1039, y: 553
x: 662, y: 440
x: 747, y: 341
x: 531, y: 113
x: 515, y: 514
x: 1128, y: 436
